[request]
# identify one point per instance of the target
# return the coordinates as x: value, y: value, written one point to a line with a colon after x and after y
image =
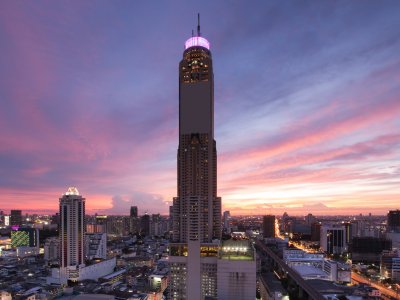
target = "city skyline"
x: 307, y: 113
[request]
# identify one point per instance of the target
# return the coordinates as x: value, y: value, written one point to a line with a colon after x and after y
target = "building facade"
x: 333, y: 239
x: 393, y: 221
x: 25, y: 237
x: 16, y: 217
x: 72, y: 228
x: 196, y: 212
x: 96, y: 246
x: 269, y: 226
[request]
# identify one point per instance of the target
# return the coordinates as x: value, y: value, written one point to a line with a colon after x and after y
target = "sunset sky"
x: 307, y: 103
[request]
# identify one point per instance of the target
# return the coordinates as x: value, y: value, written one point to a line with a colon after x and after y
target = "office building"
x: 333, y: 239
x: 268, y: 226
x: 16, y: 217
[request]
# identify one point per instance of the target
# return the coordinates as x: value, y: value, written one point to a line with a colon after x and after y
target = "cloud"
x: 146, y: 203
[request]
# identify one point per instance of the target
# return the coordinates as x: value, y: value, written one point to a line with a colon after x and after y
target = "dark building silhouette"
x: 315, y: 232
x: 393, y: 221
x: 134, y: 220
x: 145, y: 225
x: 16, y: 218
x: 268, y: 226
x: 134, y: 212
x: 368, y: 249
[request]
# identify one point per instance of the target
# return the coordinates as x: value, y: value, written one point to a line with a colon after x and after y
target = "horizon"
x: 307, y: 110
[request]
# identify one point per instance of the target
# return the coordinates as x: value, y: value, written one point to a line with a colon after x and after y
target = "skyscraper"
x: 72, y: 245
x: 196, y: 210
x: 269, y: 226
x: 72, y: 228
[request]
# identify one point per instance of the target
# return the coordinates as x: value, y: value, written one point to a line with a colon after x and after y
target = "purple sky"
x: 307, y: 103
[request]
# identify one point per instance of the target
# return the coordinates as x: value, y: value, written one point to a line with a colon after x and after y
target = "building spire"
x: 198, y: 25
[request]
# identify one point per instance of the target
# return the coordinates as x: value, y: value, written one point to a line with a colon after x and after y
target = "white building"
x: 81, y: 272
x: 72, y: 228
x: 315, y: 266
x: 52, y: 249
x: 236, y: 271
x: 296, y: 257
x: 72, y: 243
x: 96, y: 245
x: 333, y: 239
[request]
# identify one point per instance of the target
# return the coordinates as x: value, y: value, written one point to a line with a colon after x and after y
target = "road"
x: 312, y: 293
x: 384, y: 290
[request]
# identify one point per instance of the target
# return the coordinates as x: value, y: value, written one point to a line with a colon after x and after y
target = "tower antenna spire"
x: 198, y: 24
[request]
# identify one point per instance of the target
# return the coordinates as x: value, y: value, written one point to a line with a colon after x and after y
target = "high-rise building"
x: 196, y: 209
x: 72, y: 228
x: 200, y: 267
x: 72, y: 244
x: 145, y: 224
x: 269, y: 226
x: 16, y: 218
x: 134, y: 212
x: 393, y: 221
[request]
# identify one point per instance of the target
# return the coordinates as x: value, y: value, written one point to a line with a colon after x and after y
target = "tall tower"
x: 72, y: 228
x: 196, y: 211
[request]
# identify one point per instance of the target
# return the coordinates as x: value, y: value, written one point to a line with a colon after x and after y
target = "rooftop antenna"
x: 192, y: 33
x: 198, y: 24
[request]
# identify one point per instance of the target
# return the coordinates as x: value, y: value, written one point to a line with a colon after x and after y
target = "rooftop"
x: 237, y: 250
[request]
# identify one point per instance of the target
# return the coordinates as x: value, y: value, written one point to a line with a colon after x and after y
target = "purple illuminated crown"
x: 197, y: 41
